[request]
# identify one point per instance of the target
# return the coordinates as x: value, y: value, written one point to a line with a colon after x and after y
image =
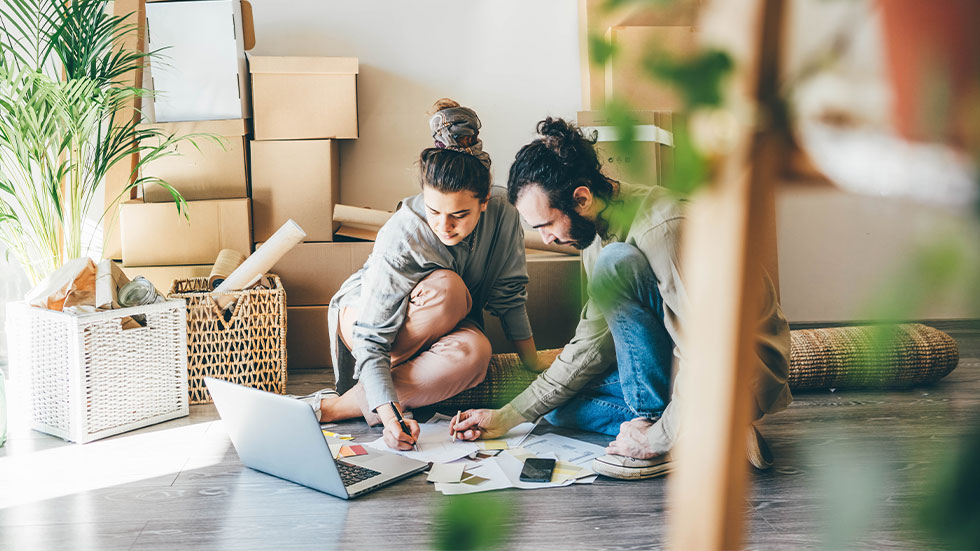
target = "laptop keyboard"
x: 352, y: 474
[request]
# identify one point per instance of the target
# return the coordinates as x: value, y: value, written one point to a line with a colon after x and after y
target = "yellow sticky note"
x: 493, y: 444
x: 335, y: 435
x: 567, y: 469
x: 520, y: 453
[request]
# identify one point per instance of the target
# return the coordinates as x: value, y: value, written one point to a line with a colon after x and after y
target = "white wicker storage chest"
x: 89, y: 378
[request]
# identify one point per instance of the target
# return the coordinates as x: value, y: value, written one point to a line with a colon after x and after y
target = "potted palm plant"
x: 62, y: 99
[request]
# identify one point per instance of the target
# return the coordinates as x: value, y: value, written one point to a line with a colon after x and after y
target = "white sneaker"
x: 630, y: 468
x: 313, y: 400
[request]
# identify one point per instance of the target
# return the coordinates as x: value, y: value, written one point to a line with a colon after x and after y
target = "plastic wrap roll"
x: 261, y: 261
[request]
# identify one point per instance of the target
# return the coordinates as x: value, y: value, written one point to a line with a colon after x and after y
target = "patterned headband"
x: 458, y: 129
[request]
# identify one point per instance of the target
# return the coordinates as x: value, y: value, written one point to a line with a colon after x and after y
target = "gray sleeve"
x: 386, y: 286
x: 508, y: 295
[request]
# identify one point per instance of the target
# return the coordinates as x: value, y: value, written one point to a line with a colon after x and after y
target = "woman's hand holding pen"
x: 485, y: 423
x: 394, y: 435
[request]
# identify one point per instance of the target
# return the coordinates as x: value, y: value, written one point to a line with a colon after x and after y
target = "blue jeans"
x: 624, y: 289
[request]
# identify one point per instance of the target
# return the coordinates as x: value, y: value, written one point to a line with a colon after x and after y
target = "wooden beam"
x: 121, y: 175
x: 730, y: 225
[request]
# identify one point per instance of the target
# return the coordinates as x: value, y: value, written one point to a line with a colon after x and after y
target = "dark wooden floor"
x: 851, y: 469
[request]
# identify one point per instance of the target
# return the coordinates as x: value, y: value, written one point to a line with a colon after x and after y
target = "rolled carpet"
x: 866, y: 356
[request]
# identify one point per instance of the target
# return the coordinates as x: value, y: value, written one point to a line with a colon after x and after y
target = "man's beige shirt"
x: 650, y: 219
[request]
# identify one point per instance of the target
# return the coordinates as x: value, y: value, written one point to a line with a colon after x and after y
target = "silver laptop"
x: 281, y: 436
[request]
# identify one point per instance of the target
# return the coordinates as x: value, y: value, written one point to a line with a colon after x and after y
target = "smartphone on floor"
x: 537, y: 470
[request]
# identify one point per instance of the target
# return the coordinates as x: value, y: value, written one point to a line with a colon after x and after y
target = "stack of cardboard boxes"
x: 279, y: 123
x: 202, y: 92
x: 303, y: 107
x: 635, y: 32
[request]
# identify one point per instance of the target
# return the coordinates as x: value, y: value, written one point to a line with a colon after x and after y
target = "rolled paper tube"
x: 532, y: 240
x: 361, y: 218
x: 224, y: 265
x: 261, y: 261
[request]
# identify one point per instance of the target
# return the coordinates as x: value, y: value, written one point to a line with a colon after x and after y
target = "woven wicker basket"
x: 88, y: 378
x: 249, y: 349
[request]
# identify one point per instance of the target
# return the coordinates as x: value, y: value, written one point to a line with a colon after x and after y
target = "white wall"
x: 513, y: 61
x: 516, y: 61
x: 837, y: 251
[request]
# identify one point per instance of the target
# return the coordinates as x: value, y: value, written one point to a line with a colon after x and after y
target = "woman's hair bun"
x: 443, y: 103
x: 560, y: 136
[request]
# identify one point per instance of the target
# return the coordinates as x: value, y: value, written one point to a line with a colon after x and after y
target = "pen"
x: 401, y: 421
x: 458, y: 413
x: 523, y: 438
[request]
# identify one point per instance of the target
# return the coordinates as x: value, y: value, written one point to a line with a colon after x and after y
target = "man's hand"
x: 632, y: 440
x: 486, y: 423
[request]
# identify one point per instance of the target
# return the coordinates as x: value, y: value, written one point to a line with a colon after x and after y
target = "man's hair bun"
x: 565, y: 139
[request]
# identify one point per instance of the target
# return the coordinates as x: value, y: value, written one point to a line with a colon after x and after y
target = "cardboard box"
x: 304, y: 97
x: 201, y: 167
x: 654, y: 142
x: 554, y: 302
x: 202, y: 73
x: 312, y: 272
x: 307, y: 337
x: 625, y: 75
x: 298, y: 179
x: 154, y: 234
x: 596, y: 17
x: 162, y: 277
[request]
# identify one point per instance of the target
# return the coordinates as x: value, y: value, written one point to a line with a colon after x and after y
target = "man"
x: 615, y: 376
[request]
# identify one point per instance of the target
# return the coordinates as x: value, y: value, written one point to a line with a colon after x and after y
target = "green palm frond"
x: 61, y: 92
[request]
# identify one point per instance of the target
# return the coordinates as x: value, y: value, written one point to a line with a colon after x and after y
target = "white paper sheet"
x: 567, y: 449
x: 489, y: 469
x: 435, y: 442
x: 504, y: 470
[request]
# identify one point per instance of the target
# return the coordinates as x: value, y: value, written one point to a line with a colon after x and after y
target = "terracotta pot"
x: 933, y: 52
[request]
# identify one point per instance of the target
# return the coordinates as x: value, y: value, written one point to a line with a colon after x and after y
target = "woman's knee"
x: 476, y: 352
x: 444, y: 291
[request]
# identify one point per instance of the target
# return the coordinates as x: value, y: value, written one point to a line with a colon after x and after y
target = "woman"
x: 408, y: 325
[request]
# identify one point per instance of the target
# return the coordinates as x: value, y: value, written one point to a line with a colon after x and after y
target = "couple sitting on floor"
x: 408, y: 326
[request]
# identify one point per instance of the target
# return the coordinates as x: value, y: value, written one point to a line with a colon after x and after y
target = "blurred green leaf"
x: 620, y: 116
x: 600, y: 49
x: 473, y: 521
x: 690, y: 170
x: 950, y: 512
x: 612, y: 5
x: 699, y: 79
